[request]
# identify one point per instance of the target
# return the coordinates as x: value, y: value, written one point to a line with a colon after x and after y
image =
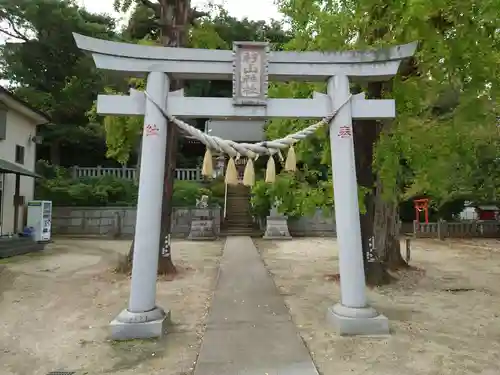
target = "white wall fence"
x: 185, y: 174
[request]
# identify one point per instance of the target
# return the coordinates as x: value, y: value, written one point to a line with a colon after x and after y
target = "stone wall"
x: 319, y: 225
x: 115, y: 221
x: 120, y: 221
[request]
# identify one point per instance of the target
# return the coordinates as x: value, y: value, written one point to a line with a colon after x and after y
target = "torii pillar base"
x: 147, y: 325
x: 349, y: 321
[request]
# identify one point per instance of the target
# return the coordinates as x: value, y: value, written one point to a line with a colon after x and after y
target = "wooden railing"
x: 186, y: 174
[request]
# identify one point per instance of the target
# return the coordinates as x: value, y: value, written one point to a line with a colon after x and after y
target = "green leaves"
x: 299, y: 196
x: 62, y: 190
x: 445, y: 132
x: 47, y: 69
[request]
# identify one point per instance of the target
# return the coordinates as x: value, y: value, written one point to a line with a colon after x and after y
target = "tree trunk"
x: 55, y: 152
x: 174, y: 19
x: 174, y: 25
x: 130, y: 256
x: 365, y: 136
x: 365, y: 133
x: 375, y: 221
x: 387, y: 228
x: 165, y: 264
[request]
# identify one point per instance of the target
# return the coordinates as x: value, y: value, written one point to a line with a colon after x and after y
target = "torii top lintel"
x: 191, y: 63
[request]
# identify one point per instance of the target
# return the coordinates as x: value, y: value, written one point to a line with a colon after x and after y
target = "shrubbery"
x: 59, y: 187
x: 298, y: 195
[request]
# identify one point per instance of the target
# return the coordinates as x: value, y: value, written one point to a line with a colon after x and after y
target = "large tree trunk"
x: 376, y: 221
x: 365, y: 133
x: 174, y: 18
x: 165, y: 264
x: 387, y: 230
x: 174, y: 25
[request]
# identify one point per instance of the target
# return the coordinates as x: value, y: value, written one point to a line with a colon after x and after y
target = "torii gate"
x: 142, y: 318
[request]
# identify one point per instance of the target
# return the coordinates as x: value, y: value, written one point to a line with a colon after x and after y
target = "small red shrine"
x: 487, y: 212
x: 421, y: 205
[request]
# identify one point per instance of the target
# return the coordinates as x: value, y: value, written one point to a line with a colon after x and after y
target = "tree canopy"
x: 217, y: 30
x: 447, y: 97
x: 45, y: 67
x: 444, y: 142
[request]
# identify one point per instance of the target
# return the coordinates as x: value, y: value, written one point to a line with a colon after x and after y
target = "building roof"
x: 13, y: 101
x: 8, y: 167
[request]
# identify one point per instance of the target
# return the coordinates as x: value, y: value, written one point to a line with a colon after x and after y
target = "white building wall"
x: 19, y: 131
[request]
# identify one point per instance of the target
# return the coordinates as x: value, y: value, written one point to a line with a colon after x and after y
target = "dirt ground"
x: 55, y: 309
x: 444, y: 320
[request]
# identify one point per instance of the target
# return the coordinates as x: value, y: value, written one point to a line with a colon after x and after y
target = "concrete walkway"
x: 249, y: 330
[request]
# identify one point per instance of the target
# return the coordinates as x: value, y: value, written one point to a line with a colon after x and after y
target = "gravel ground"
x: 444, y: 315
x: 56, y: 307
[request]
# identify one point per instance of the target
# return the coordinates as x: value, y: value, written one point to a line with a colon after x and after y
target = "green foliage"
x: 87, y: 192
x: 218, y: 30
x: 217, y: 188
x: 447, y: 98
x: 297, y: 195
x: 59, y: 187
x: 122, y: 133
x: 49, y: 171
x: 186, y: 193
x: 47, y: 69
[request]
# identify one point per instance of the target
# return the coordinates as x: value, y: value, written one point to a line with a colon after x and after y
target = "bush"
x: 298, y: 196
x: 113, y: 191
x: 47, y: 170
x: 89, y: 191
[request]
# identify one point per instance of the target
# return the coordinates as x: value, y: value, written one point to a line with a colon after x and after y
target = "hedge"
x: 63, y: 190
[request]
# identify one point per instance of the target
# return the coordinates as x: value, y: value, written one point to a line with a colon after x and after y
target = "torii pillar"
x: 143, y: 318
x: 353, y: 315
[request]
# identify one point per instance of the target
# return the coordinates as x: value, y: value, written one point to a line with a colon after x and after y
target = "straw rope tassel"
x: 231, y: 173
x: 291, y: 160
x: 270, y: 170
x: 249, y: 174
x: 208, y: 168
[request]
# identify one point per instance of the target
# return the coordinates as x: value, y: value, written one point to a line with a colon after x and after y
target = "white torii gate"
x: 250, y: 65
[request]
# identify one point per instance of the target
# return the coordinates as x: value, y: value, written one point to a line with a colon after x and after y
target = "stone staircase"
x: 238, y: 220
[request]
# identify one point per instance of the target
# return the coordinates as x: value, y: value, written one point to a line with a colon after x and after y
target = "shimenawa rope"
x: 250, y: 150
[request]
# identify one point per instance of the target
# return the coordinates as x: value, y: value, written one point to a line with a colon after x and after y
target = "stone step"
x: 239, y: 222
x: 238, y: 215
x: 255, y: 233
x: 243, y: 228
x: 248, y: 222
x: 239, y: 226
